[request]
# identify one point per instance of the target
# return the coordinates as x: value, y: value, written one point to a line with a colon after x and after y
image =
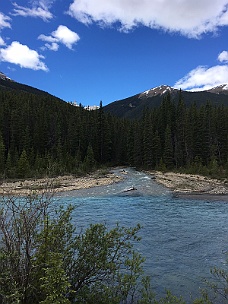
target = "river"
x: 182, y: 239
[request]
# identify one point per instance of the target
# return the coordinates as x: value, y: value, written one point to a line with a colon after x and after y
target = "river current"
x: 182, y: 238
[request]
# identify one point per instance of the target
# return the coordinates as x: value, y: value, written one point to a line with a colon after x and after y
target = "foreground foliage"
x: 44, y: 259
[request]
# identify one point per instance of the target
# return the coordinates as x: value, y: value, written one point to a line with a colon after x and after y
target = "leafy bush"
x: 43, y: 259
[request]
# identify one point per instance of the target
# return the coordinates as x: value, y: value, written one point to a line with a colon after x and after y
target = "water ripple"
x: 181, y: 239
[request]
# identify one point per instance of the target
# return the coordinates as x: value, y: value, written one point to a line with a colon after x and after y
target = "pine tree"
x: 222, y: 134
x: 89, y: 161
x: 23, y: 165
x: 156, y: 149
x: 168, y: 149
x: 130, y: 145
x: 2, y: 156
x: 104, y: 138
x: 100, y: 133
x: 138, y: 146
x: 148, y: 157
x: 180, y: 141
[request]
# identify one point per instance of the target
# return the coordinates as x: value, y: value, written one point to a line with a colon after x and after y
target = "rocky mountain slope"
x: 7, y: 83
x: 132, y: 107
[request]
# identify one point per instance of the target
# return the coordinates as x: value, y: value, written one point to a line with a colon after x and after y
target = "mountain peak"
x: 3, y: 76
x: 160, y: 90
x: 220, y: 89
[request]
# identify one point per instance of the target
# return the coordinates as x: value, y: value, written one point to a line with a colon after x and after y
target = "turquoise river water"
x: 182, y: 238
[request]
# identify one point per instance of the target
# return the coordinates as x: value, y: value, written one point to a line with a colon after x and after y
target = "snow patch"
x: 160, y: 90
x: 3, y: 76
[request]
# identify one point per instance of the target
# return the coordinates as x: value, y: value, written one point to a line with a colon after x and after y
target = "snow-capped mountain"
x: 161, y: 90
x: 221, y: 89
x: 4, y: 77
x: 133, y: 107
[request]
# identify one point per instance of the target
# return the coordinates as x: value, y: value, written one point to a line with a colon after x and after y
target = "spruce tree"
x: 180, y: 134
x: 168, y: 149
x: 156, y: 149
x: 89, y: 161
x: 23, y: 165
x: 148, y: 157
x: 2, y: 157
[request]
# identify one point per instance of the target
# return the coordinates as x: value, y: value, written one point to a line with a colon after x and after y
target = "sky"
x: 87, y: 51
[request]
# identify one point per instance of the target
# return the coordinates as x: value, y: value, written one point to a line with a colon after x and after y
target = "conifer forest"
x: 43, y: 135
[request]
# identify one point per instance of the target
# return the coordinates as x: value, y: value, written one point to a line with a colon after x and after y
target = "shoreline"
x: 181, y: 185
x: 192, y: 186
x: 58, y: 184
x: 203, y: 196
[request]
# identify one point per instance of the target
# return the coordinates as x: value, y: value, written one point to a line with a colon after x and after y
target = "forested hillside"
x: 42, y: 135
x: 132, y: 107
x: 174, y: 136
x: 10, y: 85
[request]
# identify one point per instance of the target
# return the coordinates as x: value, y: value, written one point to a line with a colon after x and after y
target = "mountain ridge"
x: 220, y: 89
x: 7, y: 83
x: 4, y: 77
x: 133, y: 106
x: 162, y: 89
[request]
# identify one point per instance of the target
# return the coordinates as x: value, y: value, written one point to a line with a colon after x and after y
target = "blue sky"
x: 92, y: 50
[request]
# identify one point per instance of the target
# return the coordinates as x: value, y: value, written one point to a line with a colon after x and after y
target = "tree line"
x: 42, y: 135
x: 175, y: 137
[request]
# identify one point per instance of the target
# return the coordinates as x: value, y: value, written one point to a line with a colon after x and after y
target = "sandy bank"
x: 191, y: 184
x: 179, y: 184
x: 58, y: 184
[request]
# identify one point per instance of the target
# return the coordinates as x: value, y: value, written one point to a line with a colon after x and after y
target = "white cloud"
x: 203, y: 78
x: 62, y: 35
x: 66, y: 36
x: 52, y: 46
x: 21, y: 55
x: 45, y: 3
x: 190, y: 18
x: 47, y: 38
x: 39, y: 10
x: 4, y: 21
x: 2, y: 42
x: 223, y: 57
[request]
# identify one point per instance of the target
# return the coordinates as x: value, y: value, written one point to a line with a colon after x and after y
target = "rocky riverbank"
x: 179, y: 184
x: 58, y: 184
x: 191, y: 184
